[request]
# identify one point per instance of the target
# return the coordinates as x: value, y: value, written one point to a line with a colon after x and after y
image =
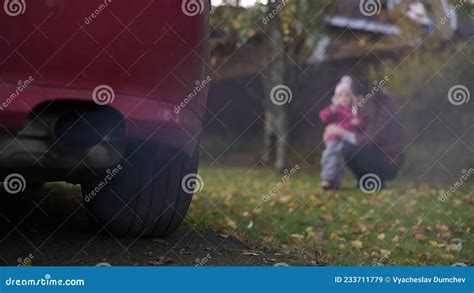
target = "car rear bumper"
x: 143, y: 120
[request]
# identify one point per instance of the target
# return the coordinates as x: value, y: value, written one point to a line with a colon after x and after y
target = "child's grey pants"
x: 332, y: 162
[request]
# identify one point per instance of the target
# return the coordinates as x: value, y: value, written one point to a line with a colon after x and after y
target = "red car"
x: 109, y: 94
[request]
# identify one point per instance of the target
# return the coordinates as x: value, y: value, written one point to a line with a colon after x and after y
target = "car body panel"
x: 151, y: 54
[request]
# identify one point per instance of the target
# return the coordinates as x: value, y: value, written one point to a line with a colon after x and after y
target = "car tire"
x: 143, y: 196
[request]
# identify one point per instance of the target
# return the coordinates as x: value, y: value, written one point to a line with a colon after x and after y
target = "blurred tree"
x: 425, y: 77
x: 291, y: 30
x: 435, y: 82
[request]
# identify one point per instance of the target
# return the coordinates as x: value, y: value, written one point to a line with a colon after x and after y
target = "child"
x: 341, y: 113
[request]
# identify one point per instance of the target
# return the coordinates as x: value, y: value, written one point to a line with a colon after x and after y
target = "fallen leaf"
x: 457, y: 203
x: 184, y: 252
x: 161, y: 261
x: 396, y: 239
x: 334, y: 236
x: 250, y: 225
x: 231, y: 224
x: 357, y: 244
x: 381, y: 236
x: 309, y: 229
x: 326, y: 217
x: 454, y: 247
x: 284, y: 199
x: 159, y: 240
x: 436, y: 244
x: 441, y: 227
x: 318, y: 238
x: 267, y: 239
x: 385, y: 253
x: 419, y: 234
x: 447, y: 256
x: 296, y: 238
x: 420, y: 254
x: 362, y: 227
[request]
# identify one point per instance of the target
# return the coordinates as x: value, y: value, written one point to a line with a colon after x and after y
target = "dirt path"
x: 49, y: 226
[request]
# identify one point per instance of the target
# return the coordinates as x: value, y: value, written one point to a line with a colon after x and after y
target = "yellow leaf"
x: 385, y: 253
x: 231, y: 224
x: 267, y: 239
x: 363, y: 228
x: 296, y: 238
x: 357, y: 244
x: 381, y: 236
x: 326, y: 217
x: 447, y: 256
x: 334, y: 236
x: 309, y: 229
x: 436, y: 244
x: 284, y: 199
x: 457, y: 203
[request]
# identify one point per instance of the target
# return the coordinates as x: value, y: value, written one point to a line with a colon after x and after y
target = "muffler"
x: 86, y: 128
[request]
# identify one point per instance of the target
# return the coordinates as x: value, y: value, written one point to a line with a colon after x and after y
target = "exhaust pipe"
x: 87, y: 128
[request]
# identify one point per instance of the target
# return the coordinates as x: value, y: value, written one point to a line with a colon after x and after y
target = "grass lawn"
x: 404, y: 224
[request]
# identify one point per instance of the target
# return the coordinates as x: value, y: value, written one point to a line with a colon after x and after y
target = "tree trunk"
x: 275, y: 116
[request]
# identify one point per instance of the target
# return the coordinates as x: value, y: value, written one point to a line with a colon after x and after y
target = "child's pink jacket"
x: 341, y: 117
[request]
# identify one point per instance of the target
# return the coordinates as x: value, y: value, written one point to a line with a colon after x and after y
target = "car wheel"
x: 142, y: 196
